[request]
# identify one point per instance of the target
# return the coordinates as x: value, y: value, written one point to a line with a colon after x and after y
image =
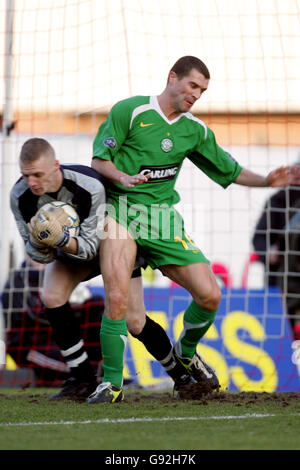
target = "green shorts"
x: 158, y: 231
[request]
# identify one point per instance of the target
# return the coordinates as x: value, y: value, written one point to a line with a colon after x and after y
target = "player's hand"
x: 295, y: 175
x: 41, y: 247
x: 48, y: 229
x: 129, y: 181
x: 284, y: 176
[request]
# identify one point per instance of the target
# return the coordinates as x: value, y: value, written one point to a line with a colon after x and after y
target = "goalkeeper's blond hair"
x: 34, y: 148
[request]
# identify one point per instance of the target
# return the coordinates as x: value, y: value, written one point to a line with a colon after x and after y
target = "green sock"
x: 113, y: 339
x: 196, y: 322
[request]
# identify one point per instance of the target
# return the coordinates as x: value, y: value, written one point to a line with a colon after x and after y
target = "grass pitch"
x: 150, y: 421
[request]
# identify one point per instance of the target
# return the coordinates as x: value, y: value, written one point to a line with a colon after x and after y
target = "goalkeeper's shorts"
x: 94, y: 265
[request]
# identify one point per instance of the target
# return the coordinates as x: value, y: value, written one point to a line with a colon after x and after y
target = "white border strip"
x: 147, y: 420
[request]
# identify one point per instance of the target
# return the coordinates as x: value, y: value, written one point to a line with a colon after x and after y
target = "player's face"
x: 187, y: 90
x: 43, y: 175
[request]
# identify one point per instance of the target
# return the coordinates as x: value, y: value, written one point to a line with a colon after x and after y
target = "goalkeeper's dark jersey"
x: 82, y: 187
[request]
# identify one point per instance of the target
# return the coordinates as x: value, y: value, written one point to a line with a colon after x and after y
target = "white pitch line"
x: 145, y: 420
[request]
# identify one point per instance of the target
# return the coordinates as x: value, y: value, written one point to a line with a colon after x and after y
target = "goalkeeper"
x: 140, y: 149
x: 71, y: 260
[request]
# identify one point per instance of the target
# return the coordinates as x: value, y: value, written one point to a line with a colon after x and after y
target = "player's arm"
x: 215, y: 162
x: 35, y: 251
x: 108, y: 169
x: 108, y: 141
x: 50, y: 228
x: 91, y: 227
x: 221, y: 167
x: 72, y: 247
x: 283, y: 176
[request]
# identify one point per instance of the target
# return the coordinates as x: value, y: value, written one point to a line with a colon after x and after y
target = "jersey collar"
x: 155, y: 104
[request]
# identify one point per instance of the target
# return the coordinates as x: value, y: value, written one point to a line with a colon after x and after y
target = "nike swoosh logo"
x: 146, y: 125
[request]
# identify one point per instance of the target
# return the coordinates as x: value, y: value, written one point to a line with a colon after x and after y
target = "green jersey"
x: 138, y: 138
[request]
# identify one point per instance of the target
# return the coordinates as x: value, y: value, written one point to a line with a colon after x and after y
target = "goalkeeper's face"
x: 185, y: 91
x: 42, y: 175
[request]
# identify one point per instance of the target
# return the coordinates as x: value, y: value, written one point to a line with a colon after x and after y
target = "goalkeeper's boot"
x: 74, y: 389
x: 199, y: 370
x: 106, y: 393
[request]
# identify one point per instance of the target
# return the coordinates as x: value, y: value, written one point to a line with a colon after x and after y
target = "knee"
x: 116, y: 294
x: 210, y: 301
x: 53, y: 299
x: 116, y: 304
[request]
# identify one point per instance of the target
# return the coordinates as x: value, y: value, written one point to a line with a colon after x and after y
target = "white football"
x: 74, y: 226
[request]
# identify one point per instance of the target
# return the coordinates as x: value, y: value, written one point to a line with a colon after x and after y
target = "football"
x: 74, y: 226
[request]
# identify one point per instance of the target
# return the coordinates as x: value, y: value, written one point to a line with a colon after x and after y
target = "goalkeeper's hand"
x: 41, y: 247
x: 50, y: 228
x: 39, y: 252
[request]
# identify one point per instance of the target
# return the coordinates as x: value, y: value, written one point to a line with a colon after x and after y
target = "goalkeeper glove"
x: 40, y: 253
x: 39, y: 246
x: 50, y: 228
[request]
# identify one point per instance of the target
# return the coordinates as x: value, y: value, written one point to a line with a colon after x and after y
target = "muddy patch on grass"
x: 196, y: 393
x: 203, y: 395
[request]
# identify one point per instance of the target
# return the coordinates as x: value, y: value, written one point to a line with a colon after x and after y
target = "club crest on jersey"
x: 110, y: 142
x: 160, y: 173
x: 166, y: 145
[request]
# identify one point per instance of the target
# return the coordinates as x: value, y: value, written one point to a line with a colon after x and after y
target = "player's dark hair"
x: 185, y: 64
x: 33, y: 148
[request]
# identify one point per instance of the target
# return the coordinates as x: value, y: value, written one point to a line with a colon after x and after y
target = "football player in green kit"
x: 140, y: 149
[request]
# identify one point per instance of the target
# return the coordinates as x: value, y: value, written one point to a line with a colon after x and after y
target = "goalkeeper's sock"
x: 113, y: 340
x: 68, y: 337
x: 158, y: 344
x: 196, y: 322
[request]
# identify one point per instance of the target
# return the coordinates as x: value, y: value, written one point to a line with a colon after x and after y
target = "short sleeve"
x: 215, y: 162
x: 112, y: 132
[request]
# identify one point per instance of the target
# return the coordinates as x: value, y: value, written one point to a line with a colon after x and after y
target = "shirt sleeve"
x: 215, y: 162
x: 90, y: 230
x: 112, y: 132
x: 32, y: 252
